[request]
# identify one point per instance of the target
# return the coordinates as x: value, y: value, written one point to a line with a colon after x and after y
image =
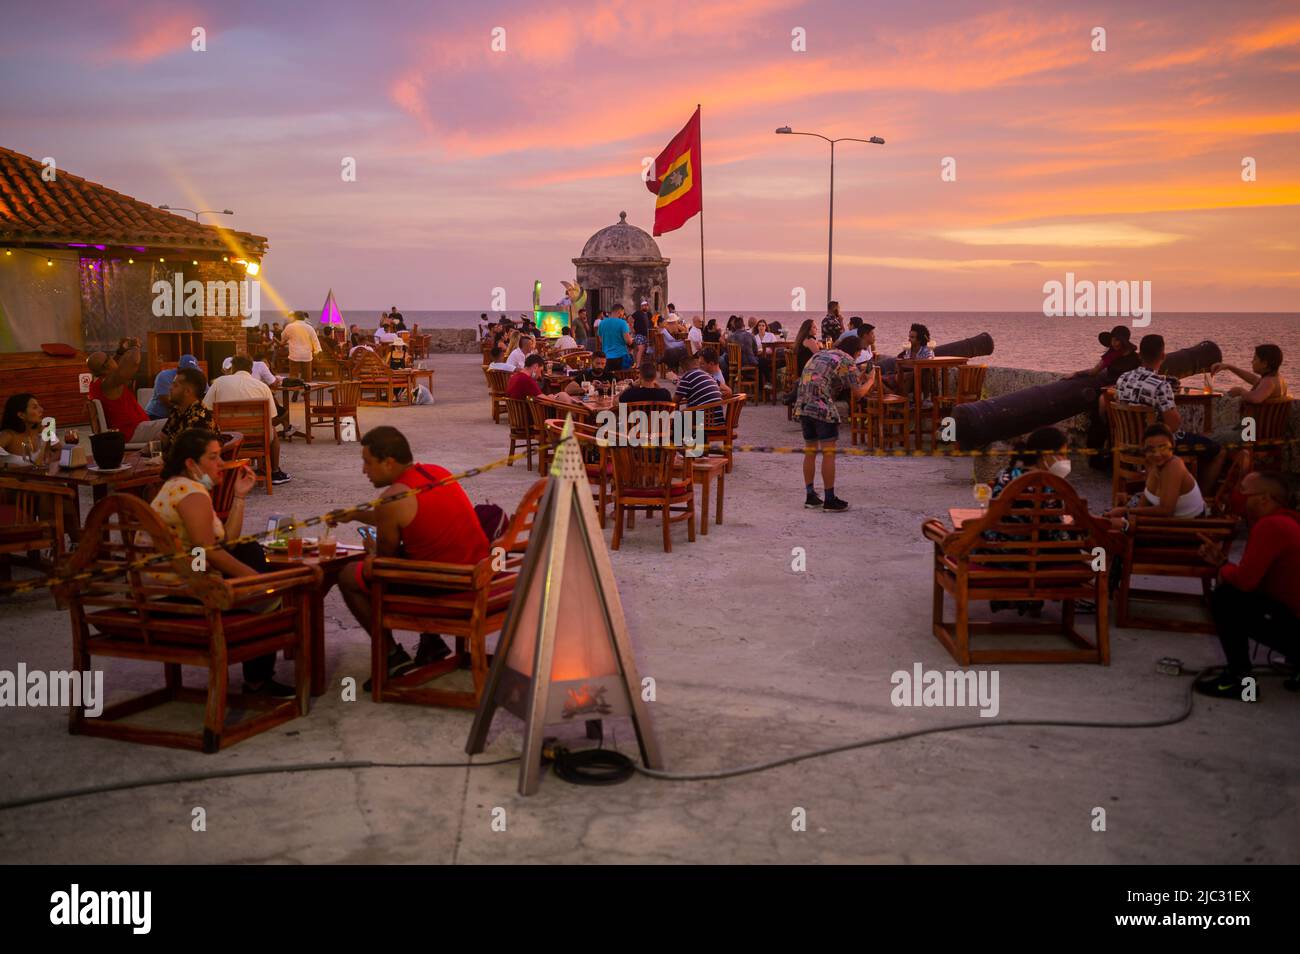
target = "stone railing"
x: 1225, y: 412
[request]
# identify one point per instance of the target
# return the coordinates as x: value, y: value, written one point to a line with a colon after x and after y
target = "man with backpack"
x: 438, y: 524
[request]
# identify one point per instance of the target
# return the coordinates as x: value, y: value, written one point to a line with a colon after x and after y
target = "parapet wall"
x: 1226, y: 411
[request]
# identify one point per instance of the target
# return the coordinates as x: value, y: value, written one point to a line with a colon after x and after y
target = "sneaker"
x: 835, y: 505
x: 1219, y: 685
x: 812, y: 500
x: 276, y: 690
x: 399, y: 661
x: 432, y: 648
x: 279, y: 477
x: 289, y: 431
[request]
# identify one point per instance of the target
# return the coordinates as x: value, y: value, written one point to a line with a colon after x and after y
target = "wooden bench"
x: 207, y: 621
x: 1028, y: 563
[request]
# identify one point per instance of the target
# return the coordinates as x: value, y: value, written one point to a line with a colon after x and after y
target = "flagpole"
x: 704, y: 299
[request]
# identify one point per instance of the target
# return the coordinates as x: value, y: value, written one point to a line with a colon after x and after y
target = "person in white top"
x: 566, y: 340
x: 303, y: 345
x: 520, y: 354
x: 695, y: 335
x: 240, y: 385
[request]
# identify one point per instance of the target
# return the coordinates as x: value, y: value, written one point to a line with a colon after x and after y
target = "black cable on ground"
x: 237, y: 773
x: 593, y: 766
x: 936, y: 730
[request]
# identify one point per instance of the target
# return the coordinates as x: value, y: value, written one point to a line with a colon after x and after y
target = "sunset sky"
x: 478, y: 169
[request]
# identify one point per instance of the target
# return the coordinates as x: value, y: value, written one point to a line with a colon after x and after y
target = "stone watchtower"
x: 621, y: 265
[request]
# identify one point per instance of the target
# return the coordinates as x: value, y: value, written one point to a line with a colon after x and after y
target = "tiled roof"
x: 72, y: 209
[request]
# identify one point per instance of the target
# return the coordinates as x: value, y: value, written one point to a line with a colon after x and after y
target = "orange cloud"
x: 159, y: 35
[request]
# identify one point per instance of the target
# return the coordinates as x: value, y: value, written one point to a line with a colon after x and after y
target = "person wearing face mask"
x: 184, y: 504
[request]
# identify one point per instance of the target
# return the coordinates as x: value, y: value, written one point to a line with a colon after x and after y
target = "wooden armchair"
x: 520, y: 415
x: 380, y: 382
x: 1027, y: 562
x: 466, y: 601
x: 230, y: 444
x: 252, y: 419
x: 579, y: 358
x: 24, y: 530
x: 343, y: 400
x: 1169, y: 547
x: 497, y: 382
x: 172, y: 615
x: 1271, y: 419
x: 648, y: 477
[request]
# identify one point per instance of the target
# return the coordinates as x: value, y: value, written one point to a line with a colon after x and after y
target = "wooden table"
x: 918, y: 366
x: 775, y: 350
x: 290, y: 390
x: 703, y: 470
x: 1199, y: 397
x: 330, y: 570
x: 140, y: 472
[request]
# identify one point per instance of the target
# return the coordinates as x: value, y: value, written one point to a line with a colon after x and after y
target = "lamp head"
x: 877, y: 140
x: 785, y: 129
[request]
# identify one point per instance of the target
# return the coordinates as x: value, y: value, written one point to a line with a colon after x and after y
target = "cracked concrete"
x: 752, y: 662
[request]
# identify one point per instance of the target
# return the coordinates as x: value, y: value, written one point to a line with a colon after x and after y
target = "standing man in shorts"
x: 303, y: 346
x: 815, y: 407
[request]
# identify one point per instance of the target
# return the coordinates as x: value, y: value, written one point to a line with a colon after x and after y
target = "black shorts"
x: 815, y: 430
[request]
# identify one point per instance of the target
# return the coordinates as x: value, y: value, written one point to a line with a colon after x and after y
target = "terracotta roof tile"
x: 72, y: 209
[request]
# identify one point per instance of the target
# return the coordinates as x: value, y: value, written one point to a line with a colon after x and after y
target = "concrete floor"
x: 752, y: 661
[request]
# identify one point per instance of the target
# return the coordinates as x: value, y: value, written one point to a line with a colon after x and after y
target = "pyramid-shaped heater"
x: 565, y: 623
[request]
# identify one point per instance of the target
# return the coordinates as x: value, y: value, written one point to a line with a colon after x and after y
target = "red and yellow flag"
x: 676, y: 182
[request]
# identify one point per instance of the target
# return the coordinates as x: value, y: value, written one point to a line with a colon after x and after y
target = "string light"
x: 194, y: 262
x: 130, y: 261
x: 49, y: 261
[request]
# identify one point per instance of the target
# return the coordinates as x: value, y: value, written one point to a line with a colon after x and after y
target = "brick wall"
x: 227, y: 328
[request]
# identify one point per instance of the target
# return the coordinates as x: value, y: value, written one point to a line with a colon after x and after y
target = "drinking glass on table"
x: 294, y: 543
x: 327, y: 544
x: 983, y: 493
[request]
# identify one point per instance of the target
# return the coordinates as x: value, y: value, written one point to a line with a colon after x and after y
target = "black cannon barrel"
x: 974, y: 347
x: 1001, y: 418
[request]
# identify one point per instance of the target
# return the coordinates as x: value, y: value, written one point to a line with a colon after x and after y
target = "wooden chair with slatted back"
x: 1037, y: 556
x: 340, y: 401
x: 1169, y: 547
x: 888, y: 415
x: 1128, y: 466
x: 595, y: 455
x: 791, y: 377
x: 223, y: 495
x: 1225, y: 502
x: 741, y: 377
x: 970, y: 384
x: 231, y: 441
x: 169, y: 614
x: 31, y: 520
x: 577, y: 358
x: 520, y: 415
x: 647, y: 477
x: 727, y: 433
x: 1271, y: 418
x: 497, y: 382
x: 252, y: 419
x: 465, y: 601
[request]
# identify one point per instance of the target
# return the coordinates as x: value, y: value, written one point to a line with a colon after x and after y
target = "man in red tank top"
x: 438, y: 525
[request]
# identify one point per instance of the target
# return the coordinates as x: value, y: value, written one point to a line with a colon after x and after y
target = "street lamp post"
x: 830, y: 237
x: 194, y: 212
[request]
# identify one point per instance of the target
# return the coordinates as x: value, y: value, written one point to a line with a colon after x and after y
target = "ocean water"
x: 1020, y: 339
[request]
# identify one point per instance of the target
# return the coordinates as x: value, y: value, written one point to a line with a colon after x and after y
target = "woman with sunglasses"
x: 1171, y: 490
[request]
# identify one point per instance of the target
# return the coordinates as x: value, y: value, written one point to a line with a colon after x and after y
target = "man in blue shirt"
x: 159, y: 405
x: 615, y: 337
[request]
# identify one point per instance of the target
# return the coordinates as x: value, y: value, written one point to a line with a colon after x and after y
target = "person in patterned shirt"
x: 819, y: 416
x: 1146, y: 385
x: 188, y: 409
